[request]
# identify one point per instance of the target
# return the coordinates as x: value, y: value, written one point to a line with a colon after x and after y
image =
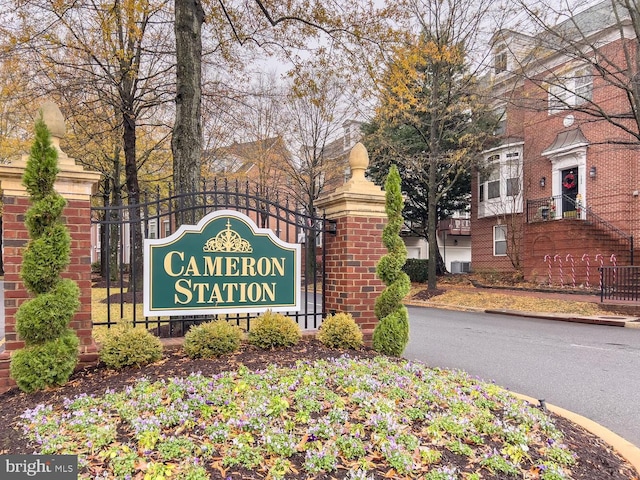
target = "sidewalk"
x: 615, y: 313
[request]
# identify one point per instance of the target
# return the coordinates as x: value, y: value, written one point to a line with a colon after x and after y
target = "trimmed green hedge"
x: 416, y: 268
x: 212, y: 339
x: 274, y: 330
x: 50, y: 353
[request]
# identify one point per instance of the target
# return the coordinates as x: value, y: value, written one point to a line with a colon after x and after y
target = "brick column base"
x: 352, y: 254
x: 351, y: 259
x: 78, y: 221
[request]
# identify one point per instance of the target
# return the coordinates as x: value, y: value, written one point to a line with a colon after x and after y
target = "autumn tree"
x: 263, y: 122
x: 286, y: 31
x: 318, y: 105
x: 16, y: 110
x: 430, y: 119
x: 106, y: 59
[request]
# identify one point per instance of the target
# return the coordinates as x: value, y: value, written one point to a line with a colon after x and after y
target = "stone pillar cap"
x: 358, y: 161
x: 357, y: 197
x: 53, y: 119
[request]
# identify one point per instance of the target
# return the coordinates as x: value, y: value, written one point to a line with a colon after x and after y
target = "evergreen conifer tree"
x: 391, y: 335
x: 51, y: 347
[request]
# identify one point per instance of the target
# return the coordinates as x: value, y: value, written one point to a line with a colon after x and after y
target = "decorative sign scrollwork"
x: 227, y: 241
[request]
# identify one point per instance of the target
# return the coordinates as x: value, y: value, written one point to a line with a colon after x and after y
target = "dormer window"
x: 500, y: 59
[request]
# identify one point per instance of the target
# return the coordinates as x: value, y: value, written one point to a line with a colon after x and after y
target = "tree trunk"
x: 186, y: 142
x: 432, y: 206
x: 432, y: 180
x: 104, y: 229
x: 115, y: 244
x: 133, y: 200
x: 441, y: 268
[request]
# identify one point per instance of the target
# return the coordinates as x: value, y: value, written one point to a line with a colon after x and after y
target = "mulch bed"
x: 595, y: 459
x: 427, y: 294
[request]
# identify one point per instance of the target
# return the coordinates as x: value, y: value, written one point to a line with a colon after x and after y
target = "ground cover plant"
x: 302, y: 412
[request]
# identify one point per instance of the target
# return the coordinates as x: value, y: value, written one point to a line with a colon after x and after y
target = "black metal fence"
x: 118, y: 276
x: 620, y: 283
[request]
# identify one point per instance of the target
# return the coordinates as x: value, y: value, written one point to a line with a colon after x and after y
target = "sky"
x: 558, y: 12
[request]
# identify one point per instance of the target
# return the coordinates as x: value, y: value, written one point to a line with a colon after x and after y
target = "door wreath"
x: 569, y: 181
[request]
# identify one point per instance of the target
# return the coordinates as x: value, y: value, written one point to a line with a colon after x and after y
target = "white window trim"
x: 501, y: 127
x: 500, y: 59
x: 567, y: 91
x: 504, y: 228
x: 152, y: 228
x: 504, y: 156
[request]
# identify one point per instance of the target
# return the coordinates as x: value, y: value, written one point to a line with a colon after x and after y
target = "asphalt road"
x: 592, y: 370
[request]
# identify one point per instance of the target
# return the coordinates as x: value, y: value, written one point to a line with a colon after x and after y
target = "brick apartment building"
x: 562, y: 185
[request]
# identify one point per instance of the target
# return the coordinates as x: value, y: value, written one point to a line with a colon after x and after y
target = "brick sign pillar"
x: 75, y: 185
x: 358, y: 207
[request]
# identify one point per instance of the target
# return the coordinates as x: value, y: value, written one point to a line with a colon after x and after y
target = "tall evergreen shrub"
x: 391, y: 335
x: 51, y: 347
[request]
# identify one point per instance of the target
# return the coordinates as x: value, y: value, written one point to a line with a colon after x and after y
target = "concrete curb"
x: 609, y: 320
x: 623, y: 447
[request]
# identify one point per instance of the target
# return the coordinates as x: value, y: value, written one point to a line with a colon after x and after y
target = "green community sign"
x: 224, y: 264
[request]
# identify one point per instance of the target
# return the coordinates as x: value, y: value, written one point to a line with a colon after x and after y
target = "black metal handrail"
x: 545, y: 209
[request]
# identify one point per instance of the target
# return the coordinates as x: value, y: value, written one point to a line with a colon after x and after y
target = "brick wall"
x: 612, y: 194
x: 483, y: 258
x: 78, y: 221
x: 351, y: 259
x: 566, y: 243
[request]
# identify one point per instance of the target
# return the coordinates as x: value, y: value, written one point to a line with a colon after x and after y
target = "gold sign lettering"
x: 220, y: 293
x: 175, y: 265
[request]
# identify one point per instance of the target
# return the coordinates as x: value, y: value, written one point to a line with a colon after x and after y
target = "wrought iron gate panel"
x: 620, y: 283
x: 159, y: 217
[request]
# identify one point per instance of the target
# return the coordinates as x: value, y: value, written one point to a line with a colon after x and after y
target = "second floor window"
x: 500, y: 184
x: 570, y: 91
x: 501, y: 126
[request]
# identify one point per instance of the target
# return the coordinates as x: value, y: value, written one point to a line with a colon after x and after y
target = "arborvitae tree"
x: 392, y: 332
x: 51, y: 347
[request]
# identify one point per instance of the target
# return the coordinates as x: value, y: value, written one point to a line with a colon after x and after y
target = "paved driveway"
x: 593, y: 370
